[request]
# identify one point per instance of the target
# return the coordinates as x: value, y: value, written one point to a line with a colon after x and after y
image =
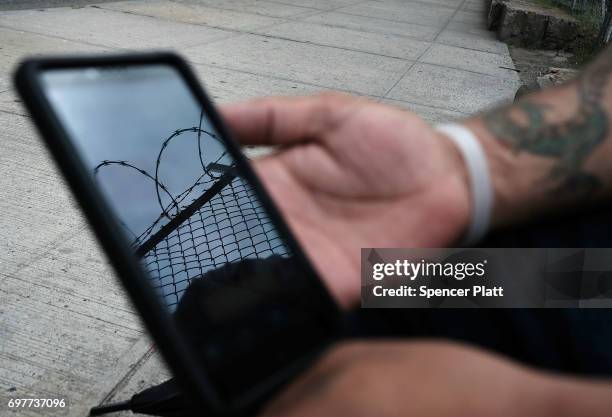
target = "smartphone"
x: 223, y: 287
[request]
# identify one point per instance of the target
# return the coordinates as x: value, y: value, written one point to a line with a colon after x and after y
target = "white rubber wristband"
x: 479, y: 177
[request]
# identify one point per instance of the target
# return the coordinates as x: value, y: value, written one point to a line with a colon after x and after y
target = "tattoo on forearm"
x: 570, y: 142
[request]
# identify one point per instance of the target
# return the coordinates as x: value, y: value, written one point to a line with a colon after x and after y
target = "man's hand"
x: 433, y: 379
x: 351, y: 174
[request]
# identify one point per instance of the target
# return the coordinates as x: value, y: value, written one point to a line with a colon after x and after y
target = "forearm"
x: 551, y: 150
x: 570, y: 397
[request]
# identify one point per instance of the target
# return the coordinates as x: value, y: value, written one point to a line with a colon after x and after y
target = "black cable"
x: 111, y: 408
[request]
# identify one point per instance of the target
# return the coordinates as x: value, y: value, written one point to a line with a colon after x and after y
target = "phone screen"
x: 211, y: 252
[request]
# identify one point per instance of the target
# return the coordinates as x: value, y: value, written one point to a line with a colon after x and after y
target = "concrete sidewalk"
x: 66, y: 330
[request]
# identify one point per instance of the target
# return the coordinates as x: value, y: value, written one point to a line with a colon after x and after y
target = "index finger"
x: 279, y: 120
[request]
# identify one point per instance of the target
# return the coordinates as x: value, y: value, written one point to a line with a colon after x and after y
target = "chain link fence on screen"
x: 216, y: 220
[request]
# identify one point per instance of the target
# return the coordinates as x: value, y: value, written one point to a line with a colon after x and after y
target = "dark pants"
x: 569, y: 340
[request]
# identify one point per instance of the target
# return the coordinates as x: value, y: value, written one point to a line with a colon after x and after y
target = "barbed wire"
x: 160, y: 187
x: 223, y: 223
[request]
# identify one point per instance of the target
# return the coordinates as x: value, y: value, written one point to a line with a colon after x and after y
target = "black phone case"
x: 176, y: 353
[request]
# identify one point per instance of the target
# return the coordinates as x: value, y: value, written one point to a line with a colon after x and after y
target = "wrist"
x: 480, y: 191
x: 459, y: 178
x: 515, y: 178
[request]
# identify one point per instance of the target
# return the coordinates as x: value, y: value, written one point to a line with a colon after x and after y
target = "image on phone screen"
x: 210, y: 250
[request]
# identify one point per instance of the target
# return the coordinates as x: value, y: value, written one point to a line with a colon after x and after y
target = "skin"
x: 349, y: 173
x: 433, y: 379
x: 343, y: 161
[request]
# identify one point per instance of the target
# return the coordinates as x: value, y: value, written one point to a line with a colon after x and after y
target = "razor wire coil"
x: 225, y: 223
